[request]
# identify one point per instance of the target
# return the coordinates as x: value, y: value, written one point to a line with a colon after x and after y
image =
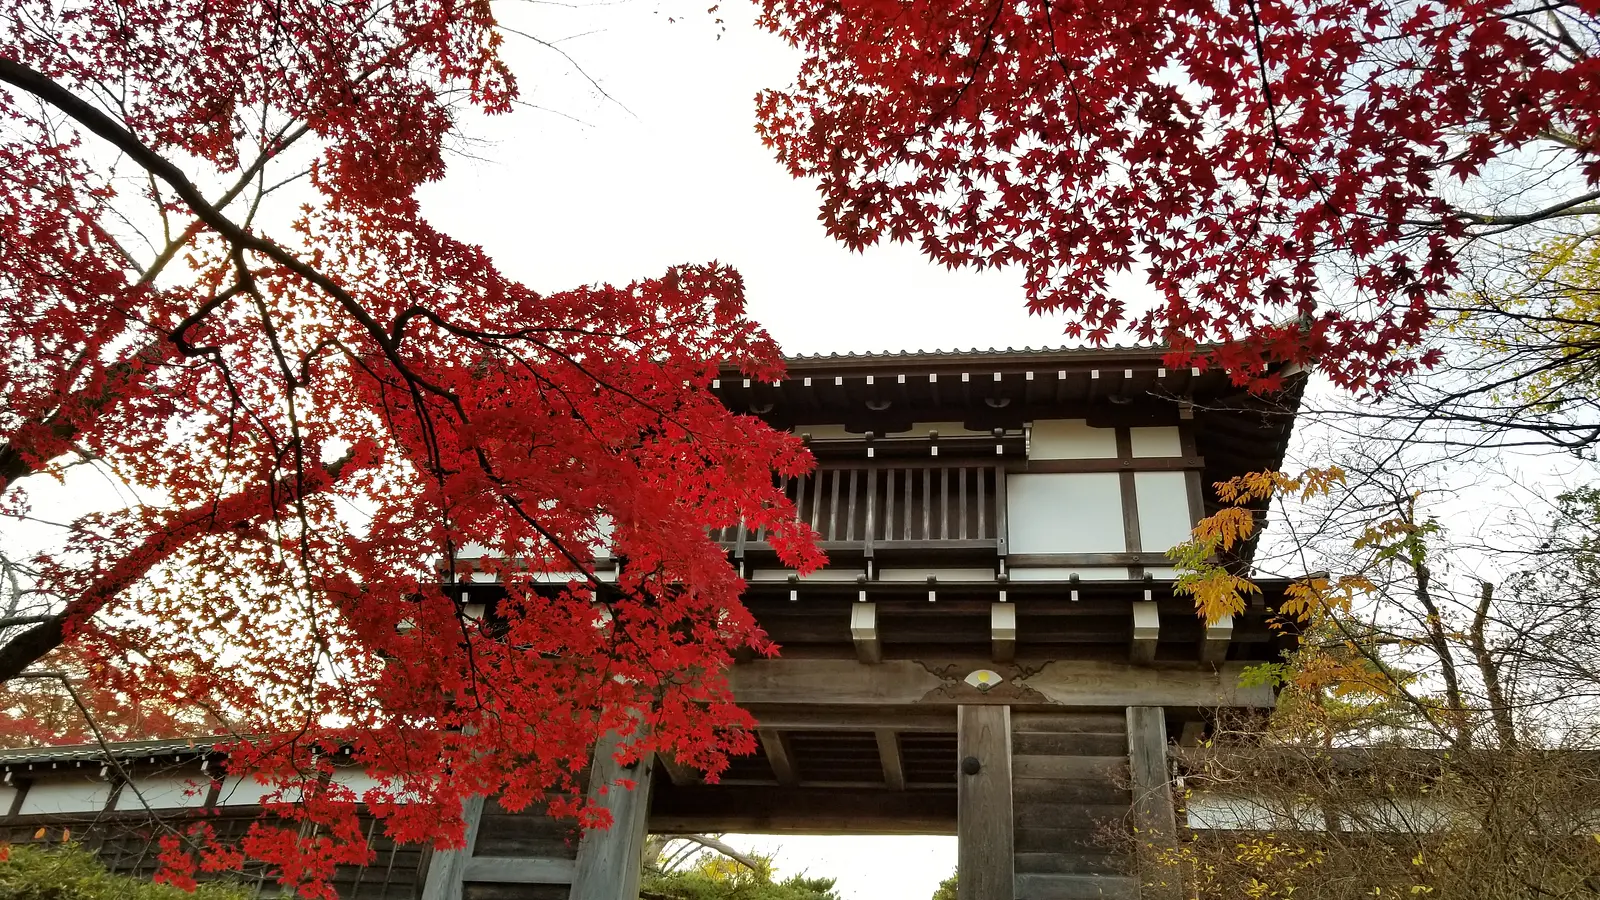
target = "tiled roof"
x: 973, y: 353
x: 94, y: 752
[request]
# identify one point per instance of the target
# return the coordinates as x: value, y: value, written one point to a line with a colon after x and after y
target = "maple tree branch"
x: 723, y: 848
x: 103, y: 126
x: 212, y: 517
x: 1583, y: 205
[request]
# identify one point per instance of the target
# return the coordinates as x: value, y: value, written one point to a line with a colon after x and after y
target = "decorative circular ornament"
x: 984, y: 679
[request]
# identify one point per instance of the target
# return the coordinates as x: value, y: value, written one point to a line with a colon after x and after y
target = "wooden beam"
x: 1154, y: 816
x: 1112, y: 464
x: 1132, y: 540
x: 894, y: 770
x: 985, y: 853
x: 447, y: 868
x: 864, y: 632
x: 1087, y: 559
x: 777, y: 750
x: 823, y: 717
x: 609, y: 861
x: 767, y: 685
x: 1003, y: 632
x: 1193, y: 479
x: 678, y: 772
x: 519, y: 870
x: 1219, y: 634
x: 1146, y: 631
x: 857, y: 809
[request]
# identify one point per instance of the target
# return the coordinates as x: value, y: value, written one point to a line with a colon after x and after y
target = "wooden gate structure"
x: 994, y: 650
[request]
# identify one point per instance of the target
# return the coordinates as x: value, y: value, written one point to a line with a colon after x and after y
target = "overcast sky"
x: 680, y: 176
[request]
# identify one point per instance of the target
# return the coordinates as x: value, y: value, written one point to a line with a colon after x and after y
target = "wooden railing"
x: 895, y: 505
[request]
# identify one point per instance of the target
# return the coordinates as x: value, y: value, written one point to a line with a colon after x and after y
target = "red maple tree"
x: 1286, y: 172
x: 315, y: 403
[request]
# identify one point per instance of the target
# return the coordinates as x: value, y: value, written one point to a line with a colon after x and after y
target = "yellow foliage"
x: 1556, y: 299
x: 1217, y: 592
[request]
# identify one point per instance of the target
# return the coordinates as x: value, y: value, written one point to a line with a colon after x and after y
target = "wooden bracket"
x: 894, y: 770
x: 777, y: 750
x: 1003, y: 631
x: 1214, y: 648
x: 1146, y: 630
x: 864, y: 632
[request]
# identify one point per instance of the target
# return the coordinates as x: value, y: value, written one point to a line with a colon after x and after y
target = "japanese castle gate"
x: 994, y: 650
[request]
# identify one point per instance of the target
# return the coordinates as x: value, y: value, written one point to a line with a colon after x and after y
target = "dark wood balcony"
x: 891, y: 507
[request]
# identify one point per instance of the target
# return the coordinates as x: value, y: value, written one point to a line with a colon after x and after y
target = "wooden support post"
x: 1154, y: 818
x: 447, y: 868
x: 1003, y: 631
x: 1132, y: 536
x: 1193, y: 479
x: 1214, y: 648
x: 777, y: 751
x: 894, y: 770
x: 984, y: 823
x: 864, y: 631
x: 609, y: 861
x: 1146, y: 631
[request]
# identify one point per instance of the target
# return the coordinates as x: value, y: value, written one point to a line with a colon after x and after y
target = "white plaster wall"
x: 164, y: 792
x: 1163, y: 509
x: 1160, y: 440
x: 72, y: 794
x: 1231, y: 812
x: 244, y: 790
x: 1071, y: 439
x: 1077, y: 512
x: 1404, y: 815
x: 356, y: 779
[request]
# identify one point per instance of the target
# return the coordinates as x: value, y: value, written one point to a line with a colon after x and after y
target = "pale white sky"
x: 683, y: 178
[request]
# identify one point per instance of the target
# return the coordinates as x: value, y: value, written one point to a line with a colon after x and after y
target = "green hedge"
x: 69, y: 872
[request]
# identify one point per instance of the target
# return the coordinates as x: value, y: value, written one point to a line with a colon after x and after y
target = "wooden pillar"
x: 1154, y: 817
x: 447, y: 868
x: 984, y: 853
x: 609, y: 861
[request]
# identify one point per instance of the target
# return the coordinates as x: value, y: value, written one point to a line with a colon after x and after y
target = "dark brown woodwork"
x: 492, y: 891
x: 894, y: 773
x: 984, y: 815
x: 855, y: 809
x: 1154, y: 815
x: 777, y: 751
x: 1122, y: 464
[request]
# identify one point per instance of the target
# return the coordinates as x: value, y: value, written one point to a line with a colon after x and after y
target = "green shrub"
x: 69, y: 872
